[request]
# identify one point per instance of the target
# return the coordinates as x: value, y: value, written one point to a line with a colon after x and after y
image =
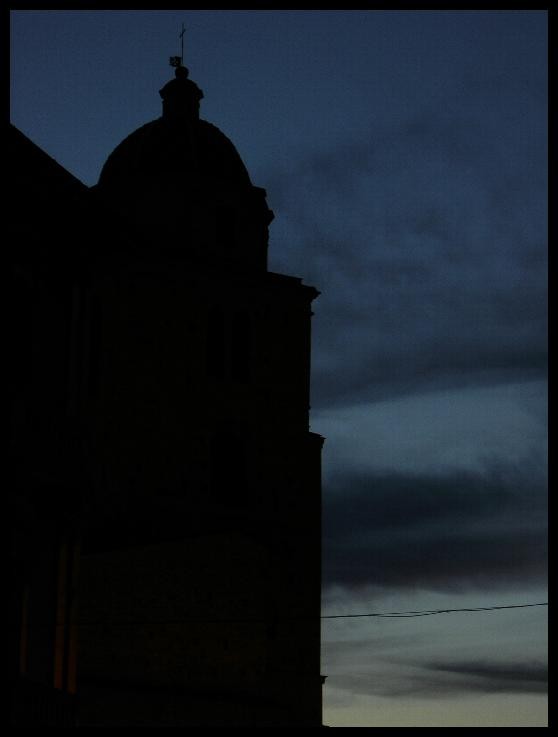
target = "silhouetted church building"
x: 167, y: 488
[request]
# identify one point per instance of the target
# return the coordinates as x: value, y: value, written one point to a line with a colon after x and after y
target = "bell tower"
x: 200, y: 581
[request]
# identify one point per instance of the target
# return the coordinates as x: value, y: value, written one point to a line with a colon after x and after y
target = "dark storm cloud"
x: 440, y: 532
x: 428, y: 243
x: 438, y: 679
x: 491, y: 676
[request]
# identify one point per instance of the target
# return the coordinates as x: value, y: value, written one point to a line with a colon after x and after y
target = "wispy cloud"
x: 446, y: 679
x: 428, y: 242
x: 440, y: 533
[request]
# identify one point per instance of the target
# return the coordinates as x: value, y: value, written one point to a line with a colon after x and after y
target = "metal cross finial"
x: 182, y: 43
x: 178, y: 61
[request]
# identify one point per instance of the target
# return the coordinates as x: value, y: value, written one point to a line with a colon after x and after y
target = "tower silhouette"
x: 200, y: 583
x: 188, y: 483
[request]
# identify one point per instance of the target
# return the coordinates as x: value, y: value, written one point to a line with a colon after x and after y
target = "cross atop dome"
x: 178, y: 61
x: 181, y: 96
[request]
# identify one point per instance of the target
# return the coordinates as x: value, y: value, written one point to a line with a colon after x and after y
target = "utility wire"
x: 423, y: 613
x: 430, y: 612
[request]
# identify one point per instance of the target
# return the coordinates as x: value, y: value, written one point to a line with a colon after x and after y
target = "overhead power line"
x: 430, y: 612
x: 205, y: 620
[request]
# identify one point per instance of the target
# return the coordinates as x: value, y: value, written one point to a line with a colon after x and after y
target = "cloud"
x: 427, y: 240
x: 495, y: 676
x: 435, y: 532
x: 469, y: 429
x: 445, y: 679
x: 449, y: 656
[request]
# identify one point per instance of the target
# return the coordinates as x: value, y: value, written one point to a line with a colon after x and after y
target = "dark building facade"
x: 163, y: 423
x: 45, y: 217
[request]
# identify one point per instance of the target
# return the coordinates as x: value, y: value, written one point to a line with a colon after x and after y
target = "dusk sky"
x: 404, y: 155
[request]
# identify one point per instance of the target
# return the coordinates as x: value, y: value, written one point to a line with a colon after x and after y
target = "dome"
x: 181, y: 180
x: 176, y: 150
x: 172, y: 154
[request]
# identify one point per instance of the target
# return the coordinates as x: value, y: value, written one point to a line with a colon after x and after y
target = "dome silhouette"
x: 173, y: 154
x: 182, y: 180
